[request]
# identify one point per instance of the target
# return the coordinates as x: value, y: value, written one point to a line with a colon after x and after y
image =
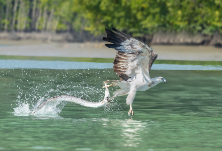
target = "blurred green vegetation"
x: 135, y: 16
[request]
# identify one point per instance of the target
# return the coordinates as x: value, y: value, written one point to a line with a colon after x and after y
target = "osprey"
x: 132, y: 64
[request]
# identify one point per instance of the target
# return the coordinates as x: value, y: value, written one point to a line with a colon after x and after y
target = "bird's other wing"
x: 152, y: 57
x: 132, y: 55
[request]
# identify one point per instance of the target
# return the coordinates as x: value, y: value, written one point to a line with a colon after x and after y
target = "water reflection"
x: 130, y: 130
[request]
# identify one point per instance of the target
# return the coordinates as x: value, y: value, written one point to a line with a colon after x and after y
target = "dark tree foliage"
x: 150, y: 16
x: 136, y: 16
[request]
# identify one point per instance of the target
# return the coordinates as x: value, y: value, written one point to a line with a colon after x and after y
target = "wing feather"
x: 131, y: 54
x: 152, y: 59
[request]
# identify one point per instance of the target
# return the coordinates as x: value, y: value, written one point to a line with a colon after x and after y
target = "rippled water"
x: 183, y: 114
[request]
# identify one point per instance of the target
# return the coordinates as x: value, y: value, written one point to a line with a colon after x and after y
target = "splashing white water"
x: 37, y: 86
x: 22, y: 110
x: 51, y: 109
x: 30, y: 101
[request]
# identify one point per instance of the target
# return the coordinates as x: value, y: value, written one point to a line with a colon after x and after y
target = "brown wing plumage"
x: 121, y: 64
x: 130, y: 52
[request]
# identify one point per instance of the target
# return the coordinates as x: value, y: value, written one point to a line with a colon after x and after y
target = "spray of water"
x: 33, y: 92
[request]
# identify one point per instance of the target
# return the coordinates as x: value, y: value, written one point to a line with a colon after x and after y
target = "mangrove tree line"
x: 136, y: 16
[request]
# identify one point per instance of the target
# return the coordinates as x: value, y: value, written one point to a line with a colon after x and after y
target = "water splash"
x: 22, y: 110
x: 26, y: 101
x: 51, y: 109
x: 36, y: 86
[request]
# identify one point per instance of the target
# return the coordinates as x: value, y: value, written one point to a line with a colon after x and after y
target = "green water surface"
x: 183, y: 114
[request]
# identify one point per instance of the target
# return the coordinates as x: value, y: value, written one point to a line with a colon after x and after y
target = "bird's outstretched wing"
x: 132, y: 55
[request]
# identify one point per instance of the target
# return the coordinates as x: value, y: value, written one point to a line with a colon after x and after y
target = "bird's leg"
x: 130, y: 111
x: 130, y: 98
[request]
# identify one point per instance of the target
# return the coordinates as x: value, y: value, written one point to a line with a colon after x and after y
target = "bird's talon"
x: 130, y: 113
x: 106, y: 86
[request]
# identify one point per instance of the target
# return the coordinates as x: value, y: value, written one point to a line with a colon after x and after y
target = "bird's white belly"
x: 141, y: 85
x: 143, y: 88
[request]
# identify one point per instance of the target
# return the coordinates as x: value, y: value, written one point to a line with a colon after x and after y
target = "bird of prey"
x: 132, y: 64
